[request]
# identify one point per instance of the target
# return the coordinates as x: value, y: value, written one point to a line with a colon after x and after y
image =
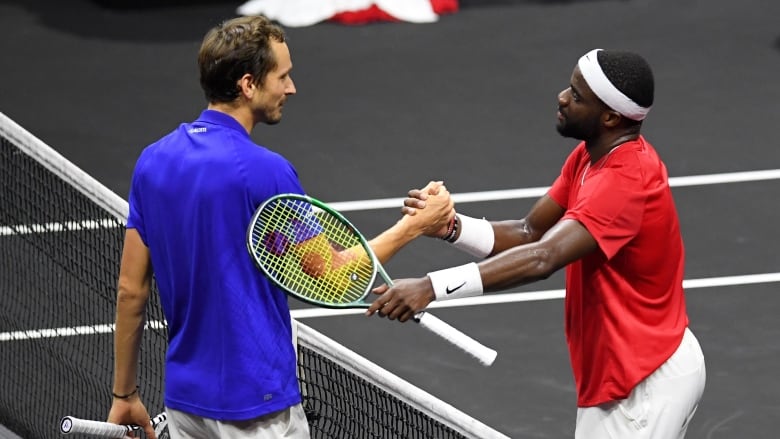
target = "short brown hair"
x: 233, y: 48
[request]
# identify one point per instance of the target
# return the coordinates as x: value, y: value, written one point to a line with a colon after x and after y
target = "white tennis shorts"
x: 289, y: 423
x: 660, y: 407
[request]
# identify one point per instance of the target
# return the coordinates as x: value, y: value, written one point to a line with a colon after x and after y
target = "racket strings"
x: 311, y: 252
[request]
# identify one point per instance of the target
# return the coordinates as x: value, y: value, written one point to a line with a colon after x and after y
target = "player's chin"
x: 560, y: 124
x: 274, y: 117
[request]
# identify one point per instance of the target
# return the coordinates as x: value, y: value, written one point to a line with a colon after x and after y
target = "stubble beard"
x: 579, y: 131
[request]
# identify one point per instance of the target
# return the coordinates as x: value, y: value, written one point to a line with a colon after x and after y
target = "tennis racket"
x: 316, y: 255
x: 73, y: 425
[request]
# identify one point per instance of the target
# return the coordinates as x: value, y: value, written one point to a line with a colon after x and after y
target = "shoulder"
x: 265, y: 156
x: 578, y: 154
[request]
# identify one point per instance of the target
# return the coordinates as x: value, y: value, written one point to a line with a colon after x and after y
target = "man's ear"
x: 246, y: 85
x: 611, y: 118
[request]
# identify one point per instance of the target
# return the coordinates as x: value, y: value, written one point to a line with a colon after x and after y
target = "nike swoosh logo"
x: 450, y: 291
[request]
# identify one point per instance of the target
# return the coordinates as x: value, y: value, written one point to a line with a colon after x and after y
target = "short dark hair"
x: 629, y: 73
x: 233, y: 48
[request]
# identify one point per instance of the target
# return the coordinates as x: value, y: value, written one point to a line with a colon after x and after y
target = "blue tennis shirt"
x: 230, y: 354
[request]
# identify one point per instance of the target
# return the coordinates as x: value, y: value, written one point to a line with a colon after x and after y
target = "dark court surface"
x: 470, y: 100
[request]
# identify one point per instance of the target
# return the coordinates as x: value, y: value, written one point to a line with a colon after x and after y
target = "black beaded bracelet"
x: 125, y: 396
x: 452, y: 230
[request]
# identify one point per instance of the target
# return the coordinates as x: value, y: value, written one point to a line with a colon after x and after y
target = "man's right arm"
x: 507, y: 234
x: 544, y: 214
x: 134, y: 287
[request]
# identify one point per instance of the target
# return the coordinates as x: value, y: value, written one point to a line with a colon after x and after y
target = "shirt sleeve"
x: 561, y: 188
x: 135, y: 213
x: 610, y: 205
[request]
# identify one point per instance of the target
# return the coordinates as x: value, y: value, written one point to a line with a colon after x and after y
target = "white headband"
x: 606, y: 91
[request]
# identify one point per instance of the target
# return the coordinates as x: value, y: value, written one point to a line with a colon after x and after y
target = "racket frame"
x: 317, y: 204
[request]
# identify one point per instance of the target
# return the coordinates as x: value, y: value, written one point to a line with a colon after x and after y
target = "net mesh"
x: 60, y: 254
x: 367, y: 411
x: 60, y: 249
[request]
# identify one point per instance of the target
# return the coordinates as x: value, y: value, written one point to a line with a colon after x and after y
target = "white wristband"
x: 476, y: 236
x: 456, y: 282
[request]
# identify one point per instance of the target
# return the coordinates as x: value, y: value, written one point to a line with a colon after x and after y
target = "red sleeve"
x: 610, y: 204
x: 560, y: 191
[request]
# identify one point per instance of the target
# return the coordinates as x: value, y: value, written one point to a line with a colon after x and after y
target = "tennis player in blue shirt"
x: 230, y: 365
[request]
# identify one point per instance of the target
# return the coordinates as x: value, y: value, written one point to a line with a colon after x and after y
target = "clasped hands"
x: 430, y: 209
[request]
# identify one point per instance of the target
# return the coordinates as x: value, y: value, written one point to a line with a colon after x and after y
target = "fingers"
x: 378, y: 303
x: 420, y: 195
x: 402, y: 301
x: 149, y: 430
x: 392, y: 308
x: 433, y: 187
x: 380, y: 289
x: 416, y: 198
x: 412, y: 204
x: 388, y: 304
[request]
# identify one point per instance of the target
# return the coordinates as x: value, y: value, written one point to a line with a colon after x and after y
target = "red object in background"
x: 375, y: 14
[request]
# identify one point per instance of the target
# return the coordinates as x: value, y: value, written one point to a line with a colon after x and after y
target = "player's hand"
x: 430, y: 209
x: 403, y: 300
x: 416, y: 197
x: 131, y: 411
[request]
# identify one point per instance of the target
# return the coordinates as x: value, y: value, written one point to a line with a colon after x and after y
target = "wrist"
x: 474, y: 236
x: 124, y: 395
x: 406, y: 230
x: 452, y: 230
x: 456, y: 282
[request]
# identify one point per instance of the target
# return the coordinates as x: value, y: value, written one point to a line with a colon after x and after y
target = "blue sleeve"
x: 135, y: 214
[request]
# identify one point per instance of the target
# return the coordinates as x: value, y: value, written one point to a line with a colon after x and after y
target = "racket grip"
x: 70, y: 425
x: 484, y: 354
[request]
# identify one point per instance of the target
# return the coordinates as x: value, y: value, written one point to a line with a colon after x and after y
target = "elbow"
x: 544, y: 265
x: 132, y: 298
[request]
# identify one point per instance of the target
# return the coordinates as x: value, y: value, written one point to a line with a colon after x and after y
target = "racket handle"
x: 70, y: 425
x: 484, y: 354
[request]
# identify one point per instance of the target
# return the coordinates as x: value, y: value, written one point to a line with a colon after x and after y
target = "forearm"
x: 565, y: 243
x: 389, y: 242
x: 518, y: 266
x: 130, y: 319
x: 512, y: 233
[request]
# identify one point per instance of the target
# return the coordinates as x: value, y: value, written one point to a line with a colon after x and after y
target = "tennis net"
x: 61, y: 235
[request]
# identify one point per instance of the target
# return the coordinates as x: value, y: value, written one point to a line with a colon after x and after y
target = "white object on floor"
x: 300, y: 13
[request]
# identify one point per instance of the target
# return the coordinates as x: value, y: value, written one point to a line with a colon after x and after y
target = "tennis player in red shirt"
x: 610, y: 219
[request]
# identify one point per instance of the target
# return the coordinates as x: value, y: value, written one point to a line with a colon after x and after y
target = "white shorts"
x: 289, y: 423
x: 660, y: 407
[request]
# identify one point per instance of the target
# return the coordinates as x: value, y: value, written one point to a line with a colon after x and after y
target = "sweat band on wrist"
x: 476, y: 236
x: 456, y: 282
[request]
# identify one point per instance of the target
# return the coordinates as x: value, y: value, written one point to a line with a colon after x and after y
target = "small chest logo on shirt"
x: 268, y: 397
x: 197, y: 130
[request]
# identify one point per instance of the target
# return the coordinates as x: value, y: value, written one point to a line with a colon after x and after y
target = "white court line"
x: 69, y: 226
x: 33, y: 334
x: 467, y: 197
x: 387, y: 203
x: 491, y: 299
x: 534, y: 296
x: 536, y: 192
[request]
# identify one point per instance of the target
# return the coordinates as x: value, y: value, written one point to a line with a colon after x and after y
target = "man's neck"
x: 603, y: 144
x: 240, y: 113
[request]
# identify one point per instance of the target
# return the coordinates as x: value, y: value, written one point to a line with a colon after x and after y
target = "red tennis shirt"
x: 624, y: 308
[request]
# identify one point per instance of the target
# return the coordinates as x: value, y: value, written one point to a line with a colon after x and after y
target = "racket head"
x: 292, y: 238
